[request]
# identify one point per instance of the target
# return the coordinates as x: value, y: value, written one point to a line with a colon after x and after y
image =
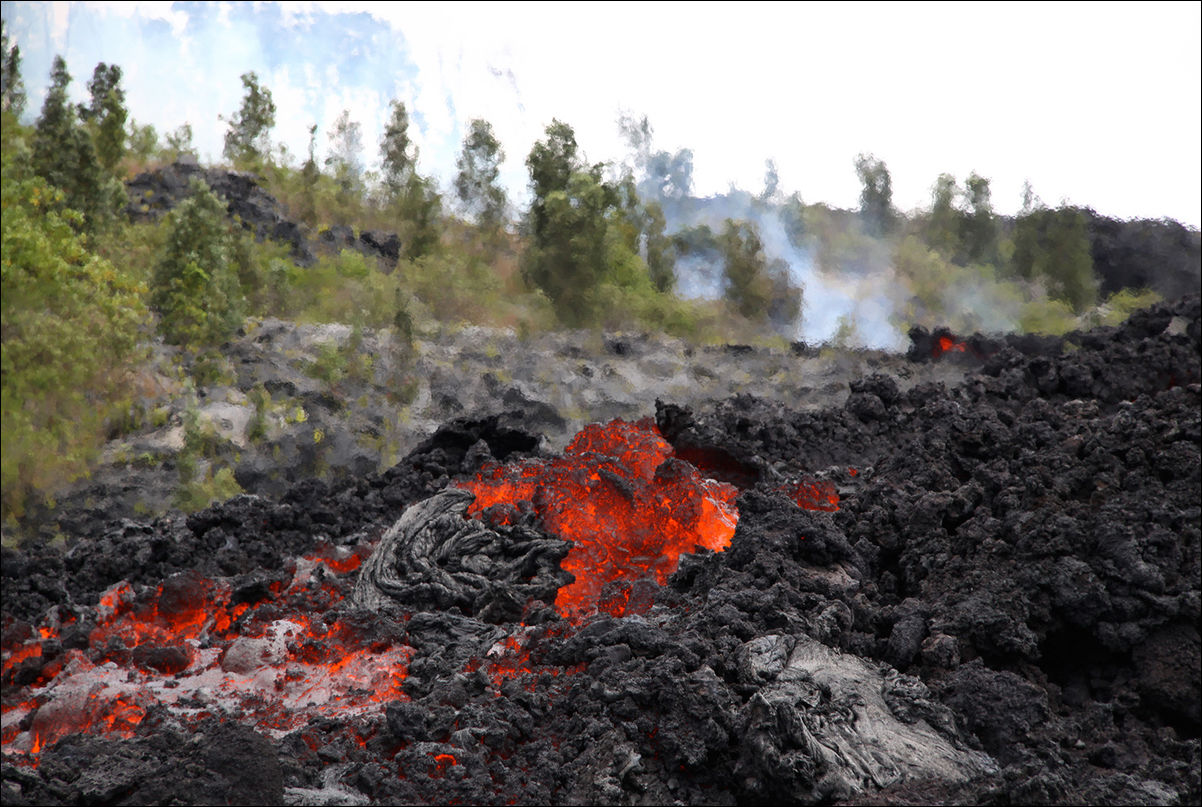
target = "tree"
x: 71, y: 324
x: 179, y: 142
x: 942, y: 229
x: 12, y: 88
x: 105, y: 114
x: 876, y: 197
x: 310, y: 173
x: 567, y: 257
x: 63, y: 154
x: 247, y: 142
x: 413, y: 197
x: 142, y: 141
x: 195, y: 288
x: 978, y: 226
x: 758, y: 288
x: 398, y: 156
x: 660, y: 251
x: 771, y: 181
x: 1054, y: 246
x: 1069, y: 265
x: 479, y: 169
x: 551, y: 163
x: 793, y: 217
x: 665, y: 176
x: 346, y: 146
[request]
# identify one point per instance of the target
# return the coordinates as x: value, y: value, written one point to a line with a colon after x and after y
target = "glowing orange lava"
x: 189, y: 648
x: 814, y: 494
x: 946, y: 344
x: 629, y: 507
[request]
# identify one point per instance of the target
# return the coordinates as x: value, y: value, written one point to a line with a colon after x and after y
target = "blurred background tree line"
x: 85, y: 289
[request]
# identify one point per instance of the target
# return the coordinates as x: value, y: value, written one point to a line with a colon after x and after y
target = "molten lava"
x: 947, y: 344
x: 189, y: 648
x: 627, y: 504
x: 267, y: 656
x: 809, y: 493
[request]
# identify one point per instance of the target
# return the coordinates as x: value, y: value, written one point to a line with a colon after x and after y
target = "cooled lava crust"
x: 1007, y: 577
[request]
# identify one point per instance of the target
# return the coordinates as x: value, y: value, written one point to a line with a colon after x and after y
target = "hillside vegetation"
x: 87, y: 289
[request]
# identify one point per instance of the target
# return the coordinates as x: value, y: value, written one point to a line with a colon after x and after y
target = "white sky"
x: 1094, y: 104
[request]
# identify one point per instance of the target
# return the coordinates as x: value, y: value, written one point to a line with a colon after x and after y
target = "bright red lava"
x: 189, y: 648
x: 946, y: 344
x: 619, y: 493
x: 629, y: 507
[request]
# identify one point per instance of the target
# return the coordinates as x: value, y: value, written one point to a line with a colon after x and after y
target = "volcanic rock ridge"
x: 988, y: 593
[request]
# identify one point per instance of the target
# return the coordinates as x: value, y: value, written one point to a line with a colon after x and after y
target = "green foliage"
x: 106, y: 114
x: 932, y: 290
x: 1053, y: 246
x: 247, y: 142
x: 1053, y: 317
x: 1123, y: 303
x: 586, y: 233
x: 793, y: 219
x: 661, y: 252
x: 479, y: 168
x: 64, y: 155
x: 179, y: 142
x: 841, y: 245
x: 551, y: 162
x: 759, y: 289
x: 215, y: 486
x: 309, y: 176
x: 567, y: 259
x: 412, y: 199
x: 398, y: 157
x: 12, y: 88
x: 941, y: 229
x: 71, y: 323
x: 978, y: 224
x: 876, y: 197
x: 346, y: 147
x: 142, y: 143
x: 195, y: 288
x: 346, y: 288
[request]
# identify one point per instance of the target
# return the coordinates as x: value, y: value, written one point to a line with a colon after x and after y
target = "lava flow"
x: 190, y: 647
x: 947, y: 344
x: 629, y: 506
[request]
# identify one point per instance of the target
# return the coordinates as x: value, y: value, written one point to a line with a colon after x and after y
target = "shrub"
x: 195, y: 288
x: 71, y: 325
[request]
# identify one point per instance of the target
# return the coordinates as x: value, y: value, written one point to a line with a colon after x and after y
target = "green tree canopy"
x: 1053, y: 246
x: 567, y: 259
x: 247, y: 141
x: 660, y: 250
x: 345, y: 157
x: 978, y: 226
x: 551, y: 163
x: 876, y: 196
x: 71, y: 325
x: 12, y: 88
x: 758, y: 289
x: 398, y: 156
x: 64, y: 155
x: 941, y: 230
x: 414, y: 198
x: 479, y: 167
x: 106, y: 113
x: 195, y: 289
